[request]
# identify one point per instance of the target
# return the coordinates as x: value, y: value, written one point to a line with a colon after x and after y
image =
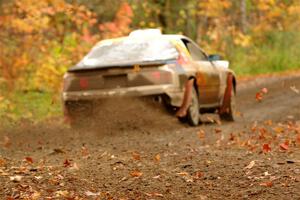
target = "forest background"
x: 41, y: 39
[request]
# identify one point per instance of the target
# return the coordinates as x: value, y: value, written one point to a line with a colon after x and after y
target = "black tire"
x: 228, y: 115
x: 193, y: 112
x: 166, y: 102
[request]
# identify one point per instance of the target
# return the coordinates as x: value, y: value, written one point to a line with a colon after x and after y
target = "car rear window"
x: 131, y: 50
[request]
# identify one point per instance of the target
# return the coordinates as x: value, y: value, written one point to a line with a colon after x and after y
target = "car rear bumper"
x: 119, y: 92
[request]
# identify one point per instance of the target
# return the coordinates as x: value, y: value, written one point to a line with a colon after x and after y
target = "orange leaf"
x: 266, y: 148
x: 29, y: 159
x: 2, y: 162
x: 136, y: 156
x: 264, y: 90
x: 298, y: 138
x: 259, y: 96
x: 278, y: 129
x: 182, y: 173
x: 232, y: 137
x: 157, y: 158
x: 267, y: 184
x: 136, y: 173
x: 218, y: 130
x: 154, y: 194
x: 67, y: 163
x: 201, y: 134
x: 85, y: 152
x: 285, y: 145
x: 268, y: 122
x: 198, y: 174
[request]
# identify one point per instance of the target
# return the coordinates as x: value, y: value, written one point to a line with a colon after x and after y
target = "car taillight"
x: 156, y: 75
x: 161, y: 76
x: 83, y: 83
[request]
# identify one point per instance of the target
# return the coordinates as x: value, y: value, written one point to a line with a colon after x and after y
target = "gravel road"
x: 137, y: 151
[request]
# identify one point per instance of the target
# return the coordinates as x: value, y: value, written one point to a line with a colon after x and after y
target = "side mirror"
x: 214, y: 57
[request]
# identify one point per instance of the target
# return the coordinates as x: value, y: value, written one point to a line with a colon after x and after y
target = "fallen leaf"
x: 266, y: 174
x: 219, y: 122
x: 268, y: 122
x: 74, y: 166
x: 218, y: 130
x: 210, y: 119
x: 232, y: 137
x: 29, y: 160
x: 136, y: 173
x: 267, y: 184
x: 85, y: 152
x: 266, y: 148
x: 251, y: 164
x: 16, y: 178
x: 294, y: 89
x: 156, y: 177
x: 182, y: 173
x: 201, y: 134
x: 264, y: 90
x: 154, y: 194
x: 259, y: 96
x: 136, y: 156
x: 63, y: 193
x: 89, y: 193
x: 298, y: 138
x: 278, y: 129
x: 67, y: 163
x: 35, y: 195
x: 2, y: 162
x: 284, y: 146
x: 157, y: 158
x: 198, y: 175
x: 254, y: 126
x: 38, y: 177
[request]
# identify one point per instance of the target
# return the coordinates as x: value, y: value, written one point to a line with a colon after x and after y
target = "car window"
x: 195, y: 52
x: 131, y: 51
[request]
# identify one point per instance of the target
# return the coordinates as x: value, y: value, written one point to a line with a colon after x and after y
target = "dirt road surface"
x: 142, y: 153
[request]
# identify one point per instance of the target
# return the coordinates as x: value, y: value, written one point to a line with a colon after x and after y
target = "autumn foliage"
x: 41, y: 39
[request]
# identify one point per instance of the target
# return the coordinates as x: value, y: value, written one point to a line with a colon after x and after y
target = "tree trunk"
x: 243, y: 9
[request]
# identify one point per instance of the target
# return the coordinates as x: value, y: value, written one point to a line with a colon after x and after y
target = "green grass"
x: 279, y: 52
x: 31, y: 105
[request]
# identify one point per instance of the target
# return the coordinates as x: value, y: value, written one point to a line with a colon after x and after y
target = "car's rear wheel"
x: 193, y: 112
x: 228, y: 113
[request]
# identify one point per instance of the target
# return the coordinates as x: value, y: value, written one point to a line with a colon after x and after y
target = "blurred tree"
x: 40, y: 39
x: 41, y: 36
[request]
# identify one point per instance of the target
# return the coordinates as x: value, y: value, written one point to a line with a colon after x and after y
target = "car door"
x: 207, y: 75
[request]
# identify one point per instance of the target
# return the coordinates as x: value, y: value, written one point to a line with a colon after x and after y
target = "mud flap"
x: 186, y: 98
x: 227, y: 95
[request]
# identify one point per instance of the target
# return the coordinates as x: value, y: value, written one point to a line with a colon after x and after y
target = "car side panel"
x: 208, y: 82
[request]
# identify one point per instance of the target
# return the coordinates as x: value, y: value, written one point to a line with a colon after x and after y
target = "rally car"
x: 149, y: 63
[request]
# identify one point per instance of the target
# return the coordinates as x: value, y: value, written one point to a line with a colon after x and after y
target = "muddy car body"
x: 148, y: 63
